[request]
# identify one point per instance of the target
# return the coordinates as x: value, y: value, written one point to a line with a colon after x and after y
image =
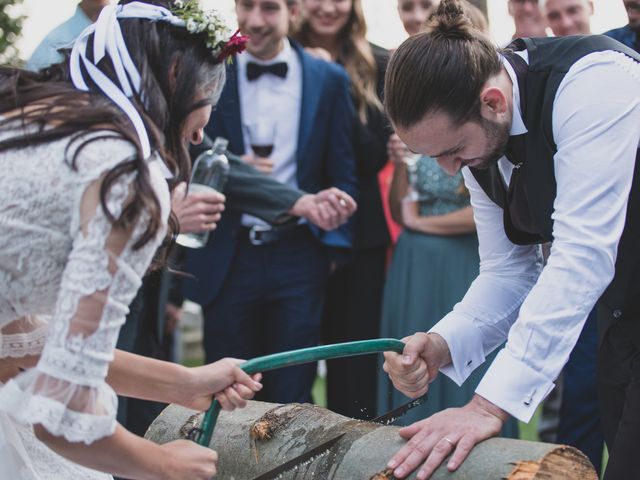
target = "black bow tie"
x: 254, y: 70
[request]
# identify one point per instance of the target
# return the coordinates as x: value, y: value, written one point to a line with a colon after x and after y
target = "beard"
x: 497, y: 135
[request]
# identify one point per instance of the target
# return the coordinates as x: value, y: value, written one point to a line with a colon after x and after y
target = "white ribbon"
x: 108, y: 41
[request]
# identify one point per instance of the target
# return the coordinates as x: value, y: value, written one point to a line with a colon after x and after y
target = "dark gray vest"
x: 528, y: 201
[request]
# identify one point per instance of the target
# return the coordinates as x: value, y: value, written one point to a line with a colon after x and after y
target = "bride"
x: 89, y: 151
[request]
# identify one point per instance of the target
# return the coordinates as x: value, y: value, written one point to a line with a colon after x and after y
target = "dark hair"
x: 440, y: 70
x: 355, y: 55
x: 48, y: 99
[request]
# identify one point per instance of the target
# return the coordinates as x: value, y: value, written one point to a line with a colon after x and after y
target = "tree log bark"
x: 256, y: 439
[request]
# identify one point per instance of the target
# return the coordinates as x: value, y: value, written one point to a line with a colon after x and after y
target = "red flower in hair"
x: 236, y: 44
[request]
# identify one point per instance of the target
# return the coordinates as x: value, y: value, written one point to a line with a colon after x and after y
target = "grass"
x: 319, y: 391
x: 192, y: 362
x: 529, y: 431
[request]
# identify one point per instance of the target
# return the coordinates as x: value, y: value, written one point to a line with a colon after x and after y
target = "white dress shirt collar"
x: 517, y: 124
x: 273, y: 99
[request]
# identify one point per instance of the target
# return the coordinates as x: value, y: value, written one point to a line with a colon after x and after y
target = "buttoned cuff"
x: 465, y: 346
x: 514, y: 386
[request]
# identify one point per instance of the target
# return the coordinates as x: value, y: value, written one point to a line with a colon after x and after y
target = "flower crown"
x: 222, y: 42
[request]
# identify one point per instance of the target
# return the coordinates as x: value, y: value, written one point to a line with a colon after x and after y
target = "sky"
x: 384, y: 26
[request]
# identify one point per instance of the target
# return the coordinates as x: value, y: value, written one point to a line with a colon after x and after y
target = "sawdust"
x: 192, y: 422
x: 524, y: 470
x: 386, y: 474
x: 268, y: 424
x: 263, y: 429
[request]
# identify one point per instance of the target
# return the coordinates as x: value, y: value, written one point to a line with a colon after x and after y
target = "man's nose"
x: 449, y: 166
x: 421, y: 17
x: 254, y: 19
x: 566, y: 21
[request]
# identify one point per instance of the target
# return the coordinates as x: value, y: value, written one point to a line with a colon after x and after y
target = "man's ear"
x: 493, y: 103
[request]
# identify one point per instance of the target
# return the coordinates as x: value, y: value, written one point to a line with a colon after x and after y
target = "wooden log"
x: 256, y: 439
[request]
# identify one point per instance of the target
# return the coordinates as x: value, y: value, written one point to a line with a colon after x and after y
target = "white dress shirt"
x: 270, y: 98
x: 541, y: 312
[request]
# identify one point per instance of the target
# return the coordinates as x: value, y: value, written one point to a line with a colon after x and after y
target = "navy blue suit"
x: 262, y: 299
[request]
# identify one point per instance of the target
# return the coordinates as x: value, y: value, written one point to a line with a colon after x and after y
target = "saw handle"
x: 203, y: 434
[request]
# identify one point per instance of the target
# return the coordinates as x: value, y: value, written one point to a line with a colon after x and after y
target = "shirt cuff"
x: 465, y: 346
x: 514, y: 386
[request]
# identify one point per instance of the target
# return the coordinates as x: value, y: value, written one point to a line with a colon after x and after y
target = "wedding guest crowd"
x: 336, y: 30
x: 262, y: 287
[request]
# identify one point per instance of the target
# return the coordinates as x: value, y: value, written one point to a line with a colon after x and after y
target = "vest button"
x: 617, y: 313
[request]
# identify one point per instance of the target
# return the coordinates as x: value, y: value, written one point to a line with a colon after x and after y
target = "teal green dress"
x: 428, y: 275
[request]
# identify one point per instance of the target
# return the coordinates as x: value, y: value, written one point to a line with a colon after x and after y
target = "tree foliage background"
x: 10, y: 29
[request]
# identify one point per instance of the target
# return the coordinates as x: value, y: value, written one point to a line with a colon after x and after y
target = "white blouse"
x: 67, y: 277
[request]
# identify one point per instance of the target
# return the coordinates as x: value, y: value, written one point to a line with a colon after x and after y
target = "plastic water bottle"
x: 210, y: 173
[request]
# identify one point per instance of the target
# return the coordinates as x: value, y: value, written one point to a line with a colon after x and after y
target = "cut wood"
x: 257, y: 439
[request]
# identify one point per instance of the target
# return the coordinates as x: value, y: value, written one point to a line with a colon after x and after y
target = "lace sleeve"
x: 66, y: 392
x: 22, y: 337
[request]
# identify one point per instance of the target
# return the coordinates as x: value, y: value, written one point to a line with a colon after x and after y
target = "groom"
x: 261, y: 288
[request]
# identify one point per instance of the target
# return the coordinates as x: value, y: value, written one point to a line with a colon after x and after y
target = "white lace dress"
x: 66, y: 280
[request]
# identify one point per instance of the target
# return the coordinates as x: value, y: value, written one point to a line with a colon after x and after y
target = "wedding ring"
x: 447, y: 440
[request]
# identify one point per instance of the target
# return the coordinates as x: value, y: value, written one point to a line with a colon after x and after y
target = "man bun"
x: 451, y: 20
x: 442, y: 69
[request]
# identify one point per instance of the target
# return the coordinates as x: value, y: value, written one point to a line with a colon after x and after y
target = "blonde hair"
x: 478, y: 19
x: 356, y: 56
x: 474, y: 14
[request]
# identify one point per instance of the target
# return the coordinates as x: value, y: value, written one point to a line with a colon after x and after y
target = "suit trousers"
x: 619, y: 392
x: 271, y: 301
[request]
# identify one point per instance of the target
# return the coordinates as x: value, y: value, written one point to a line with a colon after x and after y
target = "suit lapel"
x: 312, y: 81
x: 229, y: 106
